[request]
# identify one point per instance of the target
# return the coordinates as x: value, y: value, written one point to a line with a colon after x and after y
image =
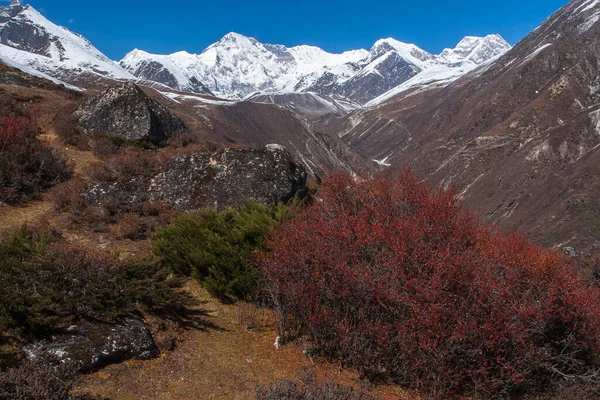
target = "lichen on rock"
x: 213, y: 179
x: 125, y: 110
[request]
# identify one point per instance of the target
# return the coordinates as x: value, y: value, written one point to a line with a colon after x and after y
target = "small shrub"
x: 214, y: 246
x: 65, y: 126
x: 251, y: 316
x: 10, y: 107
x: 125, y: 166
x: 393, y: 279
x: 27, y: 166
x: 32, y: 381
x: 309, y: 389
x: 40, y: 381
x: 184, y: 139
x: 67, y: 196
x: 47, y: 284
x: 130, y: 227
x: 104, y: 148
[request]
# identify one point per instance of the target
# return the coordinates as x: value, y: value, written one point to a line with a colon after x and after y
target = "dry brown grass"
x: 224, y: 361
x: 15, y: 216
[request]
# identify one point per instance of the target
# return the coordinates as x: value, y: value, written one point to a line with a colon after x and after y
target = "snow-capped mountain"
x: 238, y: 66
x: 30, y: 40
x: 451, y: 64
x: 475, y: 50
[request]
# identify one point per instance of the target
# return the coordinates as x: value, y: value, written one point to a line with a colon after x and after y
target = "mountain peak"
x: 410, y: 52
x: 11, y: 11
x: 233, y: 37
x: 476, y: 49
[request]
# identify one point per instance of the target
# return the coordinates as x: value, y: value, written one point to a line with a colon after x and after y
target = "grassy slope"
x: 223, y: 361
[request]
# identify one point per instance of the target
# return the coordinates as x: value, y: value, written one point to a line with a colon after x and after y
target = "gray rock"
x: 221, y: 179
x: 125, y: 110
x: 91, y: 346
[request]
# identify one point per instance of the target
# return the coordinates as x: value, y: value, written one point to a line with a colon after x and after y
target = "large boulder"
x: 125, y: 110
x: 221, y: 179
x: 91, y: 346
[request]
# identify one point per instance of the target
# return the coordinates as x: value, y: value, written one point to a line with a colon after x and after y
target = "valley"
x: 382, y: 223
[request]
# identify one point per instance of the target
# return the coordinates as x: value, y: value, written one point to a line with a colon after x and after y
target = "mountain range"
x: 237, y: 67
x: 514, y: 130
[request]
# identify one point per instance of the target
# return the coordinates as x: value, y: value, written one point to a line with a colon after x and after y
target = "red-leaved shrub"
x: 27, y: 166
x: 395, y: 280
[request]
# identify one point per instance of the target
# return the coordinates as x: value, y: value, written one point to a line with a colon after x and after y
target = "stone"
x: 220, y: 179
x: 125, y: 110
x: 94, y: 345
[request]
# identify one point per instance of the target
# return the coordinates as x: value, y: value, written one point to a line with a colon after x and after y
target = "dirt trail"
x: 222, y: 362
x: 13, y: 217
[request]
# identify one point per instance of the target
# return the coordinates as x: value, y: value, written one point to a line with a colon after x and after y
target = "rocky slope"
x: 258, y: 124
x: 518, y: 138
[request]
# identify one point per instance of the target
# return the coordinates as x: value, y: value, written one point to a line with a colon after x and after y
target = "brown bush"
x: 395, y: 280
x: 10, y: 107
x: 125, y: 165
x: 124, y: 221
x: 185, y: 139
x: 67, y: 196
x: 65, y: 126
x: 130, y: 227
x: 37, y: 381
x: 105, y: 148
x: 308, y: 388
x: 27, y: 166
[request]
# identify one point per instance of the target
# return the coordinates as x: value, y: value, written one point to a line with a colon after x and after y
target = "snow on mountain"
x: 476, y: 50
x: 470, y: 53
x: 238, y: 66
x: 34, y: 42
x: 307, y: 103
x: 435, y: 75
x: 409, y: 52
x: 8, y: 55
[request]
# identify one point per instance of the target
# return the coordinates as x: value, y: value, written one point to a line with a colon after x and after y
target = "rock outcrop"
x: 125, y: 110
x: 222, y: 179
x: 91, y: 346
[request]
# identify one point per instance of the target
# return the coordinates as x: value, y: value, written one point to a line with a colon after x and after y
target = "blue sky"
x: 116, y: 27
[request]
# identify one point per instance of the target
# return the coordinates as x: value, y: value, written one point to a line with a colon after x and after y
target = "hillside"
x: 518, y: 138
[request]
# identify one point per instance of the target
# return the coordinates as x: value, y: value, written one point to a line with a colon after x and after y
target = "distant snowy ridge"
x: 238, y: 66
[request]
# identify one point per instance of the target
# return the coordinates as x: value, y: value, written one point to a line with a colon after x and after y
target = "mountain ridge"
x: 235, y: 67
x: 518, y: 138
x: 252, y: 66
